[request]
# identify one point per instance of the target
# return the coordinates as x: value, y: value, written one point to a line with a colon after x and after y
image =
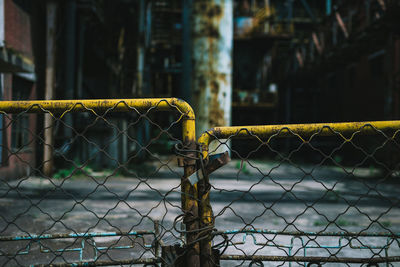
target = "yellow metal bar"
x: 290, y: 130
x: 63, y: 106
x: 189, y: 193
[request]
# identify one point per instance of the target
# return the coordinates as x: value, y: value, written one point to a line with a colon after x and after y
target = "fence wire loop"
x: 256, y: 263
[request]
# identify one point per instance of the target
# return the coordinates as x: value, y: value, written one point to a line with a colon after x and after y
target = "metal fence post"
x: 206, y: 220
x: 190, y: 194
x: 209, y: 257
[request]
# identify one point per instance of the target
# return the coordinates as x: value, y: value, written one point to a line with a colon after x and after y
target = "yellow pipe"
x: 299, y: 130
x: 112, y: 105
x: 61, y: 107
x: 190, y: 205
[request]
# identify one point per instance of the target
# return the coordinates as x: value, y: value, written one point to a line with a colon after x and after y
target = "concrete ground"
x: 257, y: 194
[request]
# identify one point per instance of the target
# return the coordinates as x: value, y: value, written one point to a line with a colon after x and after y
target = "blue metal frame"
x: 85, y: 238
x: 390, y: 239
x: 308, y: 9
x: 328, y: 7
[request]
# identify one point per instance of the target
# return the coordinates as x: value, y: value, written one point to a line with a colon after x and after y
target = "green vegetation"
x: 133, y: 170
x: 340, y: 222
x: 332, y: 196
x: 241, y: 165
x: 343, y: 222
x: 320, y: 223
x: 73, y: 172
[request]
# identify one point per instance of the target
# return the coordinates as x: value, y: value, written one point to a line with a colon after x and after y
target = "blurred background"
x: 237, y: 62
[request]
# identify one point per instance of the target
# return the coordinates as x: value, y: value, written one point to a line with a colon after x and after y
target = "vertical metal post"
x: 396, y: 78
x: 2, y: 20
x: 1, y: 118
x: 206, y: 220
x: 81, y: 53
x: 70, y: 30
x: 368, y: 12
x: 308, y: 10
x: 186, y: 83
x: 79, y: 75
x: 141, y: 87
x: 212, y: 42
x: 124, y: 137
x: 289, y: 4
x: 70, y: 35
x: 156, y: 238
x: 190, y: 195
x: 328, y: 7
x: 2, y: 23
x: 141, y: 49
x: 49, y: 90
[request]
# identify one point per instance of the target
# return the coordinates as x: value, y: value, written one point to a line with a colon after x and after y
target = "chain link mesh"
x: 114, y: 194
x: 305, y: 195
x: 308, y: 195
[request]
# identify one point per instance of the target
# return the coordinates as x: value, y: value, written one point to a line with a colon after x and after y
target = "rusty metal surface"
x: 93, y: 105
x: 300, y: 131
x: 310, y: 260
x: 189, y: 200
x: 212, y: 42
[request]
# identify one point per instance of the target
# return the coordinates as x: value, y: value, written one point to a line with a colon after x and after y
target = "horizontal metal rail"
x: 345, y: 240
x: 292, y: 130
x: 332, y: 259
x: 146, y: 261
x: 114, y: 105
x: 305, y: 133
x: 298, y: 233
x: 100, y: 107
x: 74, y: 235
x: 84, y: 236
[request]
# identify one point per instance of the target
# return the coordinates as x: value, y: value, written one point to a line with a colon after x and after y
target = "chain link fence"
x: 109, y: 192
x: 304, y: 195
x: 124, y: 182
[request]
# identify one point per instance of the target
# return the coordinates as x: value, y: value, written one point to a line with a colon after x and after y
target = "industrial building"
x: 203, y: 133
x: 285, y: 61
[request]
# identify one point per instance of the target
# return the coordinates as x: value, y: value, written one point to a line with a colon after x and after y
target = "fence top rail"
x: 290, y: 130
x: 62, y: 106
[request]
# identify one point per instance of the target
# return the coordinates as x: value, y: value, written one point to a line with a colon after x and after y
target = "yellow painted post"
x: 205, y: 210
x: 206, y: 221
x: 190, y: 194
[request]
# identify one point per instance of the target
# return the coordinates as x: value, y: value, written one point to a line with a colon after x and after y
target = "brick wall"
x: 17, y: 165
x: 17, y: 28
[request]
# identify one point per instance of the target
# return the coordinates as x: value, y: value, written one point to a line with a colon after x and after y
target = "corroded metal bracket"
x: 214, y: 163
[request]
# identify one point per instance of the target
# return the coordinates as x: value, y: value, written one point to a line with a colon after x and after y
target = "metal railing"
x: 114, y: 193
x: 305, y: 194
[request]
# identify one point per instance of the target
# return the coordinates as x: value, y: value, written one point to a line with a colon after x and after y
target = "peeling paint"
x: 346, y: 130
x: 212, y: 33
